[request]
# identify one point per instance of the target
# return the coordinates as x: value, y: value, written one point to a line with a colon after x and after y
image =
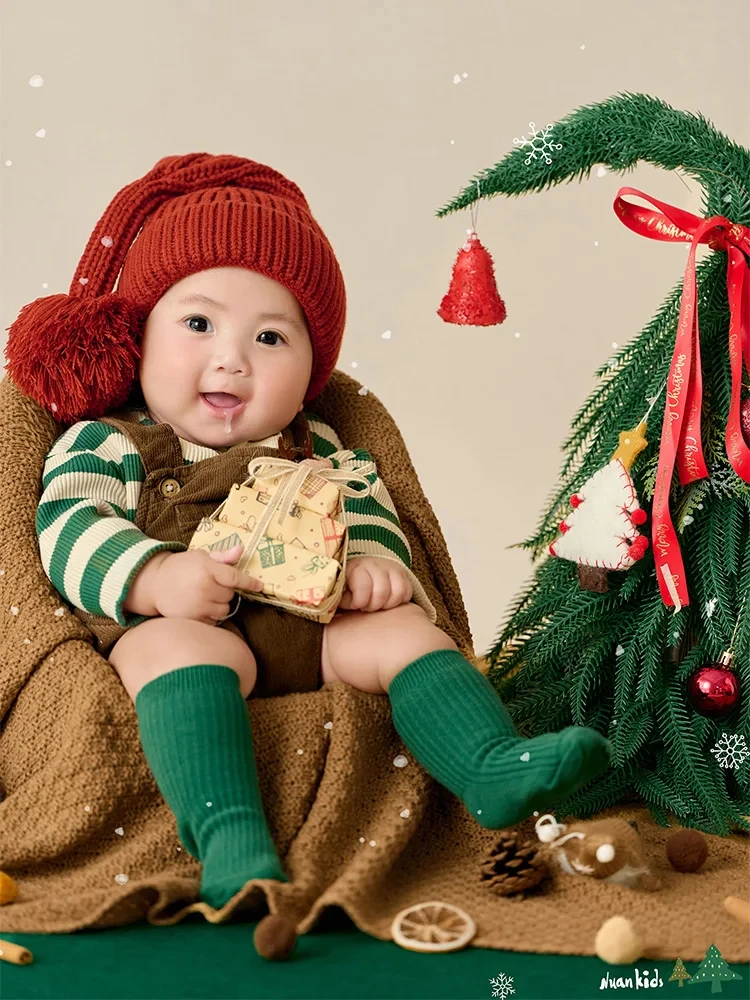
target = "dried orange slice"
x: 433, y: 926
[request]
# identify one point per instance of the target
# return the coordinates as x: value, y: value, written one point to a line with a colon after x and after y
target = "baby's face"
x: 193, y: 347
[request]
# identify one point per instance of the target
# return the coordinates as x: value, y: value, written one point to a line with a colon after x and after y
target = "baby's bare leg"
x: 159, y: 645
x: 366, y: 649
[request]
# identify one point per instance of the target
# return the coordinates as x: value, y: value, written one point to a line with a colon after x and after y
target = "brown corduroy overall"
x: 174, y: 497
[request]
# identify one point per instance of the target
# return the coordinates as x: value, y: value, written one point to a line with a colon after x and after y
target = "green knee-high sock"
x: 451, y: 718
x: 195, y: 732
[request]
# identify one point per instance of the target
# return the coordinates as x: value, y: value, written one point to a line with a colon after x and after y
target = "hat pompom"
x: 77, y: 357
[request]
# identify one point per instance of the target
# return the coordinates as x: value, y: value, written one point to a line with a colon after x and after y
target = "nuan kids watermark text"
x: 639, y: 981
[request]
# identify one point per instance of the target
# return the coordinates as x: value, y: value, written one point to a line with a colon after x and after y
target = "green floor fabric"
x: 203, y: 961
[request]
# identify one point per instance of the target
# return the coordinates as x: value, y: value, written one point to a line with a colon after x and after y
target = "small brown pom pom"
x: 274, y: 937
x: 687, y: 850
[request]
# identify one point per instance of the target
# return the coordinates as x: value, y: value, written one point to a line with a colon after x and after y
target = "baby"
x: 241, y: 310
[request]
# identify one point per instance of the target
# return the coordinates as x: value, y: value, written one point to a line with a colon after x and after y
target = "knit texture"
x: 354, y: 829
x: 469, y: 743
x: 92, y: 479
x: 195, y: 732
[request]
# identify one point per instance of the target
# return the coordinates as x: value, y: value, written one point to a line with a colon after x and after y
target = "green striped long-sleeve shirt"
x: 92, y: 551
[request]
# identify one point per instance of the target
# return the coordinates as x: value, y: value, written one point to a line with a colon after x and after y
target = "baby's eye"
x: 190, y: 320
x: 271, y: 333
x: 203, y: 319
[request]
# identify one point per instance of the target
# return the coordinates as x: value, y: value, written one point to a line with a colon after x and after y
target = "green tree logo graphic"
x: 713, y: 969
x: 679, y: 972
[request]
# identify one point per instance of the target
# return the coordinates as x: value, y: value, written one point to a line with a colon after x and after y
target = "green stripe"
x: 370, y: 507
x: 101, y: 562
x: 133, y: 467
x: 49, y: 511
x: 91, y: 435
x: 78, y: 522
x: 83, y: 462
x: 322, y: 447
x: 377, y: 533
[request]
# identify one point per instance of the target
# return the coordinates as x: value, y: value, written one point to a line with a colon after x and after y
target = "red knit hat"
x: 77, y: 354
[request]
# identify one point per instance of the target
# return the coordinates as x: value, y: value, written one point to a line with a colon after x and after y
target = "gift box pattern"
x: 316, y: 494
x: 286, y: 570
x: 301, y: 526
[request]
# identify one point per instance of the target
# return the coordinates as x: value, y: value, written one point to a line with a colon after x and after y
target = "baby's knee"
x: 405, y: 633
x: 160, y: 645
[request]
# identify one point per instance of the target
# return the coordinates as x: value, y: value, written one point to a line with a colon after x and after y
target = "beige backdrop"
x: 356, y: 102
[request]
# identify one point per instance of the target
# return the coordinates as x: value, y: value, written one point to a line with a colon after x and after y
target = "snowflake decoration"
x: 501, y: 986
x: 731, y: 750
x: 540, y: 142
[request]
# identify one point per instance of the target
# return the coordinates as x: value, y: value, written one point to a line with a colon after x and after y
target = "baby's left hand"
x: 374, y: 583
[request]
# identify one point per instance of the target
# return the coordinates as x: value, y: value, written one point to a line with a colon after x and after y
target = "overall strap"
x: 157, y: 444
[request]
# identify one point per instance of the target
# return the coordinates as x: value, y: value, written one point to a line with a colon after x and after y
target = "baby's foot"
x: 515, y: 777
x: 235, y: 851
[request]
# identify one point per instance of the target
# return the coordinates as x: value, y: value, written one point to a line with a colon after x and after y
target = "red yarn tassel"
x: 473, y: 298
x: 76, y: 356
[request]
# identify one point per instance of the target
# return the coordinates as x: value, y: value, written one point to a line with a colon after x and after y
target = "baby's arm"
x: 373, y: 523
x: 90, y: 548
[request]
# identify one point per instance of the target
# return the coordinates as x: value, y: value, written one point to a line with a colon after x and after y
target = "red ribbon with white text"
x: 681, y: 431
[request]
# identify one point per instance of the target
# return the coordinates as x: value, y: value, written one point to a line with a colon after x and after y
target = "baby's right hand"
x: 198, y: 584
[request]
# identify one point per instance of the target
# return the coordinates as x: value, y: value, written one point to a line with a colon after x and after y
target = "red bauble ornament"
x: 714, y: 689
x: 745, y: 420
x: 473, y: 299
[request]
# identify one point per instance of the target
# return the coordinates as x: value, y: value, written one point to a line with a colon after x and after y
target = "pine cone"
x: 513, y: 865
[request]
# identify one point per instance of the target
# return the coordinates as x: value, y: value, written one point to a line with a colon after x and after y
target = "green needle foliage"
x: 620, y: 661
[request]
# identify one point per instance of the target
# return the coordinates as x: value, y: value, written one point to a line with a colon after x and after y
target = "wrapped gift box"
x: 245, y: 504
x: 301, y: 561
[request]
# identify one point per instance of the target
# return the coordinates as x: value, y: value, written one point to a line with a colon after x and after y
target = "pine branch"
x: 556, y: 658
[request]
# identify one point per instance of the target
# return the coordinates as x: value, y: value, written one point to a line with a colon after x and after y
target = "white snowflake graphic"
x: 501, y: 986
x: 731, y: 750
x: 540, y: 142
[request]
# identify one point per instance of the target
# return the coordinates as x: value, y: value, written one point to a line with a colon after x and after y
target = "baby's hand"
x: 193, y: 584
x: 374, y: 583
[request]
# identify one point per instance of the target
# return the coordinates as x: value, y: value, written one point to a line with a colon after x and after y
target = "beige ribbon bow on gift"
x: 295, y: 474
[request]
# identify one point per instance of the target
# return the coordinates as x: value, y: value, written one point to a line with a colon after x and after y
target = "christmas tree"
x: 713, y: 969
x: 634, y: 660
x: 679, y: 973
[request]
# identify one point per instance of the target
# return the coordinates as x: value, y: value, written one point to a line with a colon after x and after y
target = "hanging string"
x: 653, y: 404
x: 473, y: 214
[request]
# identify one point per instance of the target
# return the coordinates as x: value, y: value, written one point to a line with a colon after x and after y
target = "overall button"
x: 168, y: 487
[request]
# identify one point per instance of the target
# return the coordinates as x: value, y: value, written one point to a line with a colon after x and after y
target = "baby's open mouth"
x: 221, y: 398
x: 222, y: 403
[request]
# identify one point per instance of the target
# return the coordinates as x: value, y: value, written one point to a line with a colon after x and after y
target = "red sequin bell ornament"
x: 714, y: 689
x: 473, y: 298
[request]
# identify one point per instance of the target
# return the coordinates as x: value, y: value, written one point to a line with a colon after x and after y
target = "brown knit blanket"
x: 90, y: 842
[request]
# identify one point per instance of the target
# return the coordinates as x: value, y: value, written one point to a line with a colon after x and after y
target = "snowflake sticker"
x: 501, y: 986
x: 540, y: 142
x: 731, y: 750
